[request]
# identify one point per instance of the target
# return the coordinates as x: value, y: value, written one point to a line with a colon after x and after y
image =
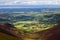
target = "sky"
x: 29, y: 2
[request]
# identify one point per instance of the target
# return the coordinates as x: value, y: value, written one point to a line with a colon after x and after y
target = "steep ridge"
x: 9, y: 29
x: 51, y: 34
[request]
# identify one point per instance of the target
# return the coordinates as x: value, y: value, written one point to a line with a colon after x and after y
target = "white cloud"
x: 42, y: 2
x: 29, y: 2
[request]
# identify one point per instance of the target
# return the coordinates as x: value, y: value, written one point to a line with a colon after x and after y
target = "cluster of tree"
x: 53, y: 18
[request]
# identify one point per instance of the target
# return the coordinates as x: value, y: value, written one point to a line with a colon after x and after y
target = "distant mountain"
x: 29, y: 6
x: 10, y: 10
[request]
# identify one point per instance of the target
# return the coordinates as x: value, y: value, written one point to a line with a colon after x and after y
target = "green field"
x: 32, y: 26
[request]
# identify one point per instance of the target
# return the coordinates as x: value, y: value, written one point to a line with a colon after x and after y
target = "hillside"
x: 4, y: 36
x: 11, y: 33
x: 8, y: 31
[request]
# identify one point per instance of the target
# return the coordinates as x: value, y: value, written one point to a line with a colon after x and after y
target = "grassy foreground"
x: 6, y: 37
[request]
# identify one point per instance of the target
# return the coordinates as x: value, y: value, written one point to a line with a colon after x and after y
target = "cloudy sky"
x: 29, y: 2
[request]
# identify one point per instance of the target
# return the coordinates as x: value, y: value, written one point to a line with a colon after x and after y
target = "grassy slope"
x: 6, y: 37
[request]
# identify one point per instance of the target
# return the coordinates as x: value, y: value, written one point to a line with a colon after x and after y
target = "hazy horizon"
x: 29, y: 6
x: 30, y: 3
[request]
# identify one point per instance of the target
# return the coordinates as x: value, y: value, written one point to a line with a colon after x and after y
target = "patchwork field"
x: 32, y: 26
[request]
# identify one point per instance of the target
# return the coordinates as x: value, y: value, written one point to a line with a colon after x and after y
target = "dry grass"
x: 6, y: 37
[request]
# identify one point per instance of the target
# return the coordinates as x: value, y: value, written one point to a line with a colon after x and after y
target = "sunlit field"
x: 32, y: 26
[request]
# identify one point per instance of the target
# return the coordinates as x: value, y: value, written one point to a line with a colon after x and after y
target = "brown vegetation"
x: 49, y: 34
